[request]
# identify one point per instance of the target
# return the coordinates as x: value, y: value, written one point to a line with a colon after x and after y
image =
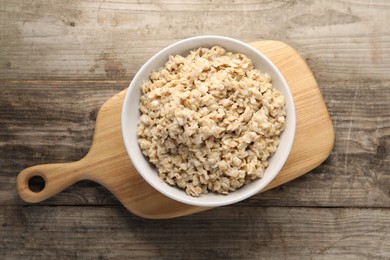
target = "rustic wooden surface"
x: 60, y: 60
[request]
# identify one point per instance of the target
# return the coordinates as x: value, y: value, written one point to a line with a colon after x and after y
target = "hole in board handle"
x: 36, y: 184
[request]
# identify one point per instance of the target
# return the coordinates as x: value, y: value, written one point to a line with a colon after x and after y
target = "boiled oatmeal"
x: 210, y: 121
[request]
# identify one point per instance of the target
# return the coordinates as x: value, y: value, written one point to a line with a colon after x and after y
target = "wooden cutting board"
x: 108, y: 163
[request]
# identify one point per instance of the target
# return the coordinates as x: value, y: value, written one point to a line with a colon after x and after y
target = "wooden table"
x: 60, y: 60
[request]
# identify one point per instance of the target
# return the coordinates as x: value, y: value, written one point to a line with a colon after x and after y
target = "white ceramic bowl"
x: 131, y: 113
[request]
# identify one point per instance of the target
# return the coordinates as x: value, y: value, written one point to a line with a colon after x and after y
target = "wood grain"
x: 222, y: 233
x: 59, y: 62
x: 107, y: 161
x: 112, y: 39
x: 53, y: 121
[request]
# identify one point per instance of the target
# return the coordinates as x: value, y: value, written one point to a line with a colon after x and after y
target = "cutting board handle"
x: 55, y: 178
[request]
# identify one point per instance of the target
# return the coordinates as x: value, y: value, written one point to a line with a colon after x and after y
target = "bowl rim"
x: 169, y: 50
